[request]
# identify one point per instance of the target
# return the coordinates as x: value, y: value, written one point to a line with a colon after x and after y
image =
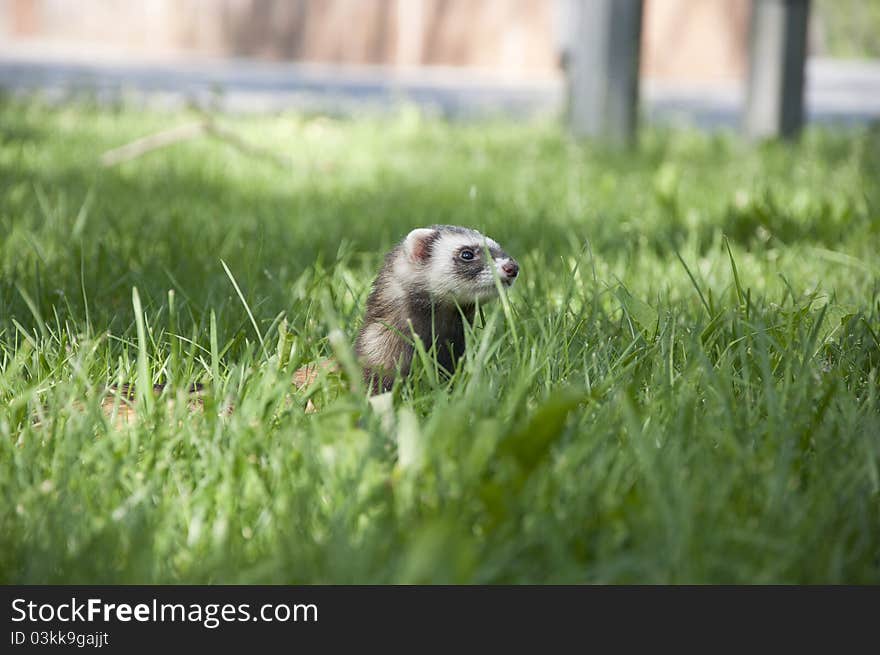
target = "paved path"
x: 837, y: 91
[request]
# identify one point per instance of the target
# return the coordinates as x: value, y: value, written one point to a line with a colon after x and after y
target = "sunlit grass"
x: 682, y: 388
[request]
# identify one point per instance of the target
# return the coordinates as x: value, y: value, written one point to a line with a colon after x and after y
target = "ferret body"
x: 429, y: 284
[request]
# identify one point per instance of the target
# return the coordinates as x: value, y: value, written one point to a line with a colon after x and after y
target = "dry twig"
x: 165, y: 138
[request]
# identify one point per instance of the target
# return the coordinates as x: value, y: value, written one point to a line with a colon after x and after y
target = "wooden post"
x: 777, y: 56
x: 602, y: 69
x: 410, y: 33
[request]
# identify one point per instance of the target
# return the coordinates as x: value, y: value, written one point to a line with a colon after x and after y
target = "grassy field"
x: 681, y: 388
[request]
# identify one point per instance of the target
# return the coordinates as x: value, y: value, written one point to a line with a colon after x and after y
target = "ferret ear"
x: 416, y: 244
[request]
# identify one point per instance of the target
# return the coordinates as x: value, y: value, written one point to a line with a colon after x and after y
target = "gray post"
x: 602, y: 69
x: 777, y: 56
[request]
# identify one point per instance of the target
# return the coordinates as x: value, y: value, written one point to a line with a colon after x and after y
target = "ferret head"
x: 455, y: 264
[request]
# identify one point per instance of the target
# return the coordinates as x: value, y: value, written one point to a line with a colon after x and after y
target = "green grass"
x: 682, y: 388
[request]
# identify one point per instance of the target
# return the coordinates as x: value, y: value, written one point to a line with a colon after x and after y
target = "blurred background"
x: 457, y: 57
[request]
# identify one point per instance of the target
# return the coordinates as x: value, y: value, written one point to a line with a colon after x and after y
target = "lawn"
x: 682, y: 387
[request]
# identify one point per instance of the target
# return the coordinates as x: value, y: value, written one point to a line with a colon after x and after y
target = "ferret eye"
x: 466, y: 254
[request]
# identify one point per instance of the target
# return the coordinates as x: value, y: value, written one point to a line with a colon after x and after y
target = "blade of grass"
x: 215, y: 352
x: 143, y: 383
x: 739, y: 290
x: 694, y: 282
x: 35, y: 311
x: 243, y: 302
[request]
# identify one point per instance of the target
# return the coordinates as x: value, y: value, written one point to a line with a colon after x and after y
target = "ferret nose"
x: 510, y: 268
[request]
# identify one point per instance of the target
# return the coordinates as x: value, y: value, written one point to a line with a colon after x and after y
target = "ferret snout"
x: 510, y: 268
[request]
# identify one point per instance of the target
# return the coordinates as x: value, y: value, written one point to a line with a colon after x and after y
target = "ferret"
x: 427, y: 287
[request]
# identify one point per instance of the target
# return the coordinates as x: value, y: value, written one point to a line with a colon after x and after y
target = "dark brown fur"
x: 435, y: 324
